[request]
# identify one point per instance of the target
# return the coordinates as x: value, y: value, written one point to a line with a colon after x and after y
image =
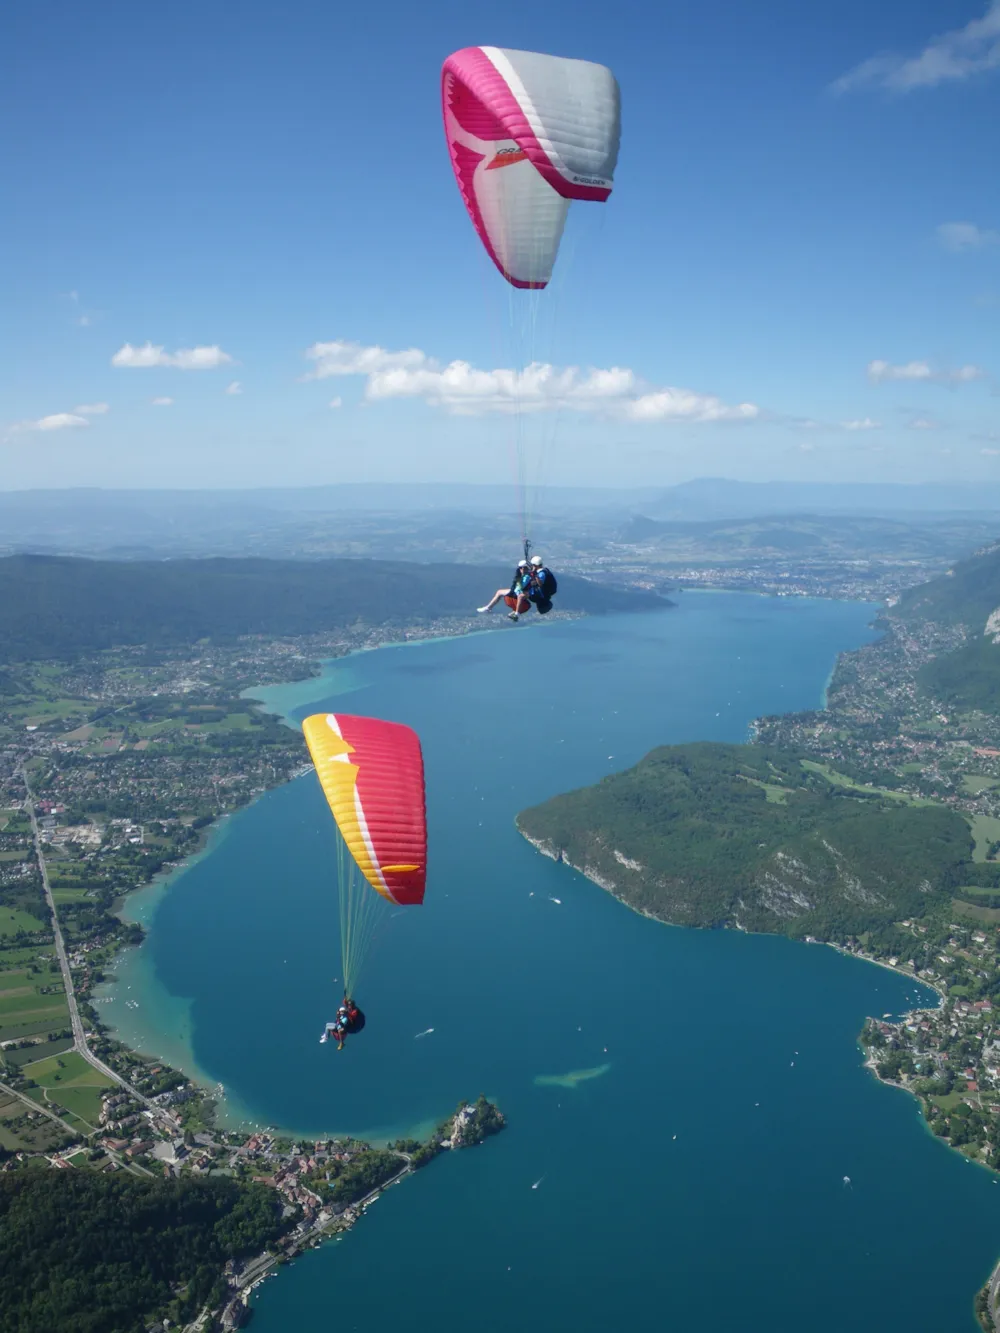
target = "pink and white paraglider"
x: 528, y: 134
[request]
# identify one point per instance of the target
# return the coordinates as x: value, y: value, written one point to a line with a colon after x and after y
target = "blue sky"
x: 805, y: 226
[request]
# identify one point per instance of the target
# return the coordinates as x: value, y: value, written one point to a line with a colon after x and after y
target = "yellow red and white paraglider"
x: 372, y: 775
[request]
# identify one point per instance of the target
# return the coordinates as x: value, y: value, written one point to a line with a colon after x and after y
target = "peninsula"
x: 872, y: 825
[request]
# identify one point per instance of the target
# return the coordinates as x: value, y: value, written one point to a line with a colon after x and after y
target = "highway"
x: 79, y: 1034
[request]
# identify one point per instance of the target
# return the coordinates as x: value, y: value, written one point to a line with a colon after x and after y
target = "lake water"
x: 696, y: 1179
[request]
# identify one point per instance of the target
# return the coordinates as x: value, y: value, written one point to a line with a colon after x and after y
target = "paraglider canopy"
x: 372, y: 775
x: 527, y: 134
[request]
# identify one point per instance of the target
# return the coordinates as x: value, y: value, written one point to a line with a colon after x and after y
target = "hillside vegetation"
x: 60, y: 606
x: 967, y: 595
x: 736, y: 835
x: 966, y: 679
x: 89, y: 1253
x: 969, y: 677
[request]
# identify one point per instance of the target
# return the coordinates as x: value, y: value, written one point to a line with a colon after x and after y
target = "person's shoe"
x: 481, y: 609
x: 323, y: 1038
x: 512, y: 615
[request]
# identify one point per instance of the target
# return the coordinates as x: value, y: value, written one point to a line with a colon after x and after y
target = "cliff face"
x: 744, y: 836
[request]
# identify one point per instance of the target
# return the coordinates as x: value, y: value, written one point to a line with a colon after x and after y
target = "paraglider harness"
x: 355, y: 1019
x: 540, y: 599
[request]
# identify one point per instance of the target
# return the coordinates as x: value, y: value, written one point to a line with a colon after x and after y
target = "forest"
x: 85, y: 1252
x: 723, y: 835
x: 967, y: 595
x: 967, y: 679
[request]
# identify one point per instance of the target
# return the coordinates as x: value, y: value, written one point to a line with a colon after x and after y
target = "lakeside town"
x: 111, y: 772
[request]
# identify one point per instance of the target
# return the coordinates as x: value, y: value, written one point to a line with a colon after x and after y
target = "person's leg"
x: 500, y: 592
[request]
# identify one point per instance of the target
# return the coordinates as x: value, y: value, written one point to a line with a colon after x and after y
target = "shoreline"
x: 992, y: 1284
x: 139, y: 905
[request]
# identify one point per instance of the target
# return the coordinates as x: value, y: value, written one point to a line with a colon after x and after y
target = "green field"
x: 27, y: 1054
x: 71, y: 1082
x: 35, y: 1028
x: 13, y: 919
x: 37, y: 713
x: 18, y: 1008
x: 989, y: 916
x: 20, y: 976
x: 985, y: 829
x: 974, y: 783
x: 14, y: 957
x: 68, y: 893
x: 948, y: 1101
x: 841, y: 780
x: 773, y: 792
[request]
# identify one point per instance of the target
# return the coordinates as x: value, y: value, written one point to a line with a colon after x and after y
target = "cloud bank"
x: 463, y: 390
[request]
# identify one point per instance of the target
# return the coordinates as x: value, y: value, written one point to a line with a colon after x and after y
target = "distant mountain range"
x: 60, y: 607
x: 144, y: 521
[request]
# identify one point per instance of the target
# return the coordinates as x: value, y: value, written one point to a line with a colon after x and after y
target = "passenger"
x: 337, y: 1030
x: 516, y: 596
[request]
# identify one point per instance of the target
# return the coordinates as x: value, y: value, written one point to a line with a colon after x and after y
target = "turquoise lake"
x: 697, y: 1181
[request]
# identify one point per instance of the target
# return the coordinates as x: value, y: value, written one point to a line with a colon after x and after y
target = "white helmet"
x: 523, y: 564
x: 537, y: 561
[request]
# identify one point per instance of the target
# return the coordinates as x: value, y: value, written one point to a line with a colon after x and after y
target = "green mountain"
x: 736, y: 835
x: 61, y: 606
x: 967, y: 679
x: 969, y: 594
x: 966, y: 595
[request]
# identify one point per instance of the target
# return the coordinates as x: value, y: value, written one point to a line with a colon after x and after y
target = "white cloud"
x: 464, y: 390
x: 880, y: 371
x: 162, y: 402
x: 92, y: 409
x: 862, y: 423
x: 235, y: 388
x: 57, y: 421
x: 923, y: 423
x: 966, y: 236
x: 185, y: 358
x: 336, y: 402
x: 350, y: 358
x: 955, y: 55
x: 990, y: 452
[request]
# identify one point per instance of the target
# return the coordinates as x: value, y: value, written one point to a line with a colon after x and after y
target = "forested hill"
x: 966, y: 595
x: 969, y: 595
x: 737, y: 835
x: 90, y: 1253
x: 57, y: 606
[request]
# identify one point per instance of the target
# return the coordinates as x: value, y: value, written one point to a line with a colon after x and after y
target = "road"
x: 991, y: 1304
x: 258, y: 1267
x: 71, y: 1129
x: 79, y: 1034
x: 36, y: 1106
